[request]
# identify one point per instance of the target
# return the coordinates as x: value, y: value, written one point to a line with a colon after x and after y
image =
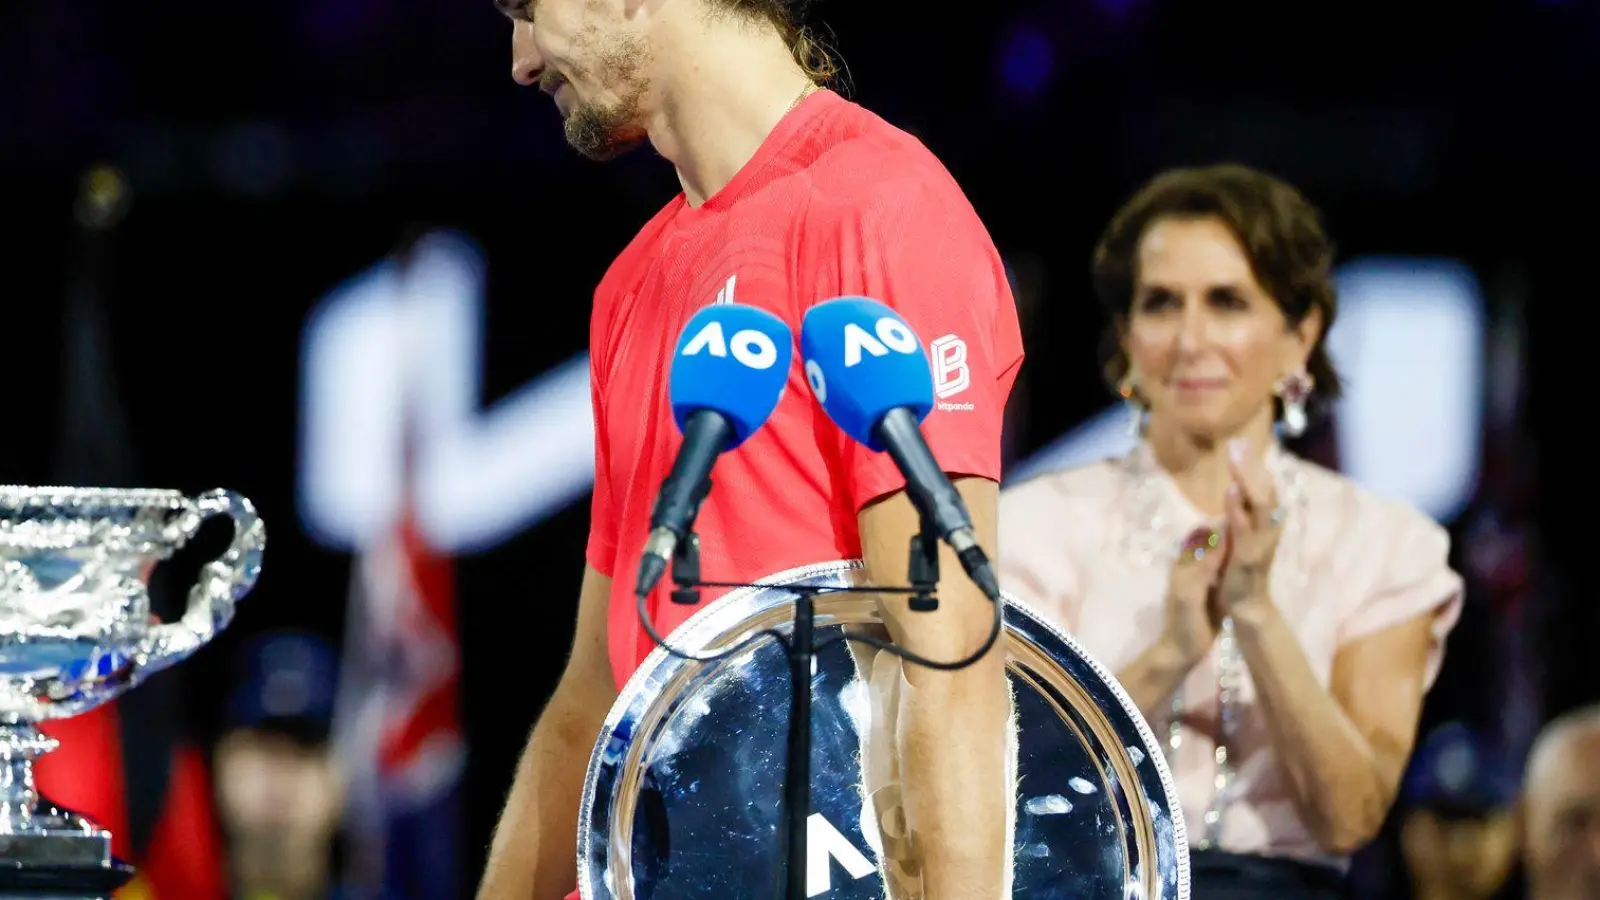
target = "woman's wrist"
x: 1171, y: 657
x: 1255, y: 612
x: 1154, y: 676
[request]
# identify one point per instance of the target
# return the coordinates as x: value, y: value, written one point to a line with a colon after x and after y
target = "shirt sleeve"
x: 1416, y: 580
x: 601, y: 551
x: 921, y: 249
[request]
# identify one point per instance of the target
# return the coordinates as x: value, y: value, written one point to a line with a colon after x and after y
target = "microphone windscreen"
x: 734, y: 360
x: 862, y: 360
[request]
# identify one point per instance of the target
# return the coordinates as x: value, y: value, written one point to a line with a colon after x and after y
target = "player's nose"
x: 526, y: 60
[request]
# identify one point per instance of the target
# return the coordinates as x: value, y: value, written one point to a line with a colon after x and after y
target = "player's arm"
x: 953, y: 728
x: 925, y: 254
x: 534, y: 853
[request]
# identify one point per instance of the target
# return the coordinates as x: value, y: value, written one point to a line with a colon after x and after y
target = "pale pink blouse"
x: 1092, y: 547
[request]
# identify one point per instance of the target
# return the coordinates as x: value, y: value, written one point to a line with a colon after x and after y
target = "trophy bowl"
x: 76, y: 631
x: 683, y: 798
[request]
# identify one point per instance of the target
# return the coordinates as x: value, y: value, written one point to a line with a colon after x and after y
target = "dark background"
x: 277, y: 148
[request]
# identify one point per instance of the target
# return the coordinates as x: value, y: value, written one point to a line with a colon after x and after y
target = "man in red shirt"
x: 791, y: 196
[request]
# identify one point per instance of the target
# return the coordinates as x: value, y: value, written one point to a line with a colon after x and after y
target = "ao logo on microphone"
x: 887, y: 334
x: 749, y: 346
x: 892, y: 334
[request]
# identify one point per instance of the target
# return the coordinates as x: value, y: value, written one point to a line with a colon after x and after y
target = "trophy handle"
x: 223, y: 582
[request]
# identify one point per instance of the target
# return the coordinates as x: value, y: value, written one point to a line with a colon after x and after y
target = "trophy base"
x: 47, y: 852
x: 63, y: 882
x: 56, y: 839
x: 62, y: 857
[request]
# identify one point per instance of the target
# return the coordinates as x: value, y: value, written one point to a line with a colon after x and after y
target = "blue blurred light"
x: 1027, y: 62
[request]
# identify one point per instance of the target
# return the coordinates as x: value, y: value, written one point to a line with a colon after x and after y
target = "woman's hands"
x: 1254, y: 523
x: 1224, y: 572
x: 1192, y: 618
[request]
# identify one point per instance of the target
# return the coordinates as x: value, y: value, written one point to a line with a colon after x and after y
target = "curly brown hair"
x: 811, y: 53
x: 1280, y: 232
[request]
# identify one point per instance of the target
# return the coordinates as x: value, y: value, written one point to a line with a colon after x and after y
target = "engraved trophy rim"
x: 16, y: 496
x: 42, y: 518
x: 1153, y: 833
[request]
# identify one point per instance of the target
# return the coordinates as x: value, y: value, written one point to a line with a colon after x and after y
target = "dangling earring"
x: 1129, y: 390
x: 1293, y: 391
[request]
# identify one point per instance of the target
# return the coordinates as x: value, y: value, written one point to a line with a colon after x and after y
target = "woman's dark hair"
x: 810, y: 52
x: 1280, y: 232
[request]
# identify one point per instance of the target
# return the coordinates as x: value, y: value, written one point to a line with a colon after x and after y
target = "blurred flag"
x: 127, y: 764
x: 397, y: 727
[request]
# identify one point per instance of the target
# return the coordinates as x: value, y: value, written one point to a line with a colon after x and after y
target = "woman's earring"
x: 1293, y: 391
x: 1129, y: 391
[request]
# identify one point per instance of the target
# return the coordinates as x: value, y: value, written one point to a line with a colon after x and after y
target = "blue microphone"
x: 868, y: 370
x: 728, y: 372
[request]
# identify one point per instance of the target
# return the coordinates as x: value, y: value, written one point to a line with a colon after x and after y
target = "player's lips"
x: 558, y: 94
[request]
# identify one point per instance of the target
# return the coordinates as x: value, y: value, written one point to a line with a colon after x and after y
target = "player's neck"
x: 719, y: 95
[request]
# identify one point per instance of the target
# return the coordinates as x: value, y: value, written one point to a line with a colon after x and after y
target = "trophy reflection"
x: 76, y: 631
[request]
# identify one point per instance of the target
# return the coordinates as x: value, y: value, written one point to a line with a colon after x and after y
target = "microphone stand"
x: 800, y: 648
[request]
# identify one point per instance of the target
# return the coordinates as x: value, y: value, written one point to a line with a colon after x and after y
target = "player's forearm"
x: 953, y: 728
x: 953, y: 731
x: 533, y: 856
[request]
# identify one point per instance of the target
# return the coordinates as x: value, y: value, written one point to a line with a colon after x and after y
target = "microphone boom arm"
x: 705, y: 435
x: 934, y: 496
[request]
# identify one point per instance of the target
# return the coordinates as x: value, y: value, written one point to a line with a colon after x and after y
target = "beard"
x: 605, y: 131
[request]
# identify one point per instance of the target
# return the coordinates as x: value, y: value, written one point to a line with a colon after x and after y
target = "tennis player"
x: 791, y: 195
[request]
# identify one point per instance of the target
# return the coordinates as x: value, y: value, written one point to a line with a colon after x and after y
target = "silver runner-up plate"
x: 683, y: 798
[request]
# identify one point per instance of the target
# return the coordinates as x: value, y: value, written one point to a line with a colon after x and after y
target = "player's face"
x: 1206, y: 342
x: 593, y: 58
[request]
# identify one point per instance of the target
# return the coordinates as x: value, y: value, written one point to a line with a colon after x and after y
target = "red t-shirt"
x: 836, y: 201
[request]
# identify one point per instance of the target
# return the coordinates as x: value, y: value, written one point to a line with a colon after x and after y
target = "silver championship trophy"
x: 683, y: 799
x: 76, y: 631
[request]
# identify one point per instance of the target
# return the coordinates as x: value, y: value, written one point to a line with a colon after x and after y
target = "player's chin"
x: 599, y: 143
x: 612, y: 150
